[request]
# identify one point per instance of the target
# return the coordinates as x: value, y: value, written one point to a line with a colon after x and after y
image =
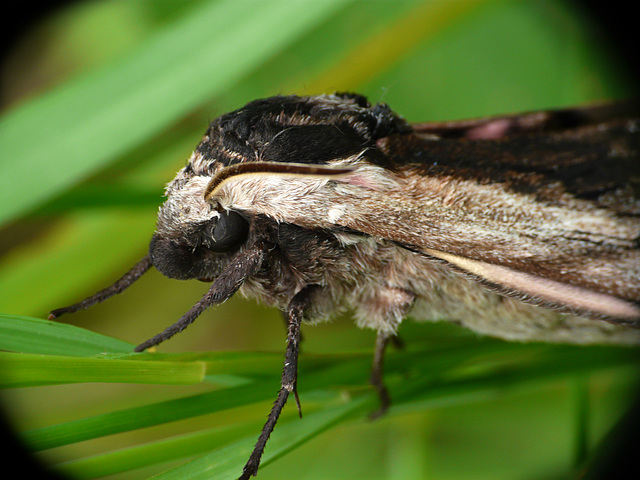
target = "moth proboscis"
x: 524, y: 227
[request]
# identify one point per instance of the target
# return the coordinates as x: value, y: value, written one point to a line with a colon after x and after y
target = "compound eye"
x: 227, y: 232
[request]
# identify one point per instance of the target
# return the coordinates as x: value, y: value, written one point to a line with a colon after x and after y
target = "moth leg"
x: 285, y: 317
x: 382, y: 340
x: 384, y: 310
x: 295, y: 312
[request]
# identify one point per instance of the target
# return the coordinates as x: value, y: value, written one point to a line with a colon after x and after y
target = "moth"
x: 524, y: 227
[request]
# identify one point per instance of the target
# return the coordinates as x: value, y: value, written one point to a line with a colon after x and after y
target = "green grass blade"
x: 145, y: 416
x: 437, y: 388
x: 507, y: 373
x: 34, y: 335
x: 436, y: 379
x: 227, y: 462
x: 156, y: 453
x: 193, y: 59
x: 27, y: 370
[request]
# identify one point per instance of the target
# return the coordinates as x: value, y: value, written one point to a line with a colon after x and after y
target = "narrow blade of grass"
x: 27, y: 370
x: 155, y: 453
x: 435, y: 390
x: 37, y: 336
x: 145, y: 416
x: 227, y: 462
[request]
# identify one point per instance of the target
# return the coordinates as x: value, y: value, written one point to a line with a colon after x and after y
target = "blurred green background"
x: 104, y: 101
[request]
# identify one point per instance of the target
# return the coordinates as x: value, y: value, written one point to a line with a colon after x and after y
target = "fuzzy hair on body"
x: 389, y: 239
x: 524, y: 227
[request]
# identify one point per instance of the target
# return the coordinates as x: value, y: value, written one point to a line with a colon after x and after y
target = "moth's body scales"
x: 523, y: 227
x: 502, y: 213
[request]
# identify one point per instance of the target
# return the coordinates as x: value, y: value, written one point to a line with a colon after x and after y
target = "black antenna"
x: 121, y: 284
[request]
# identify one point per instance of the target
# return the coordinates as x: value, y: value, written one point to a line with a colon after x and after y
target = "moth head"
x: 282, y: 136
x: 194, y: 237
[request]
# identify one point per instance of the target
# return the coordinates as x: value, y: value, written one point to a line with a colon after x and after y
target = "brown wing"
x: 592, y: 153
x: 541, y: 206
x: 545, y: 204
